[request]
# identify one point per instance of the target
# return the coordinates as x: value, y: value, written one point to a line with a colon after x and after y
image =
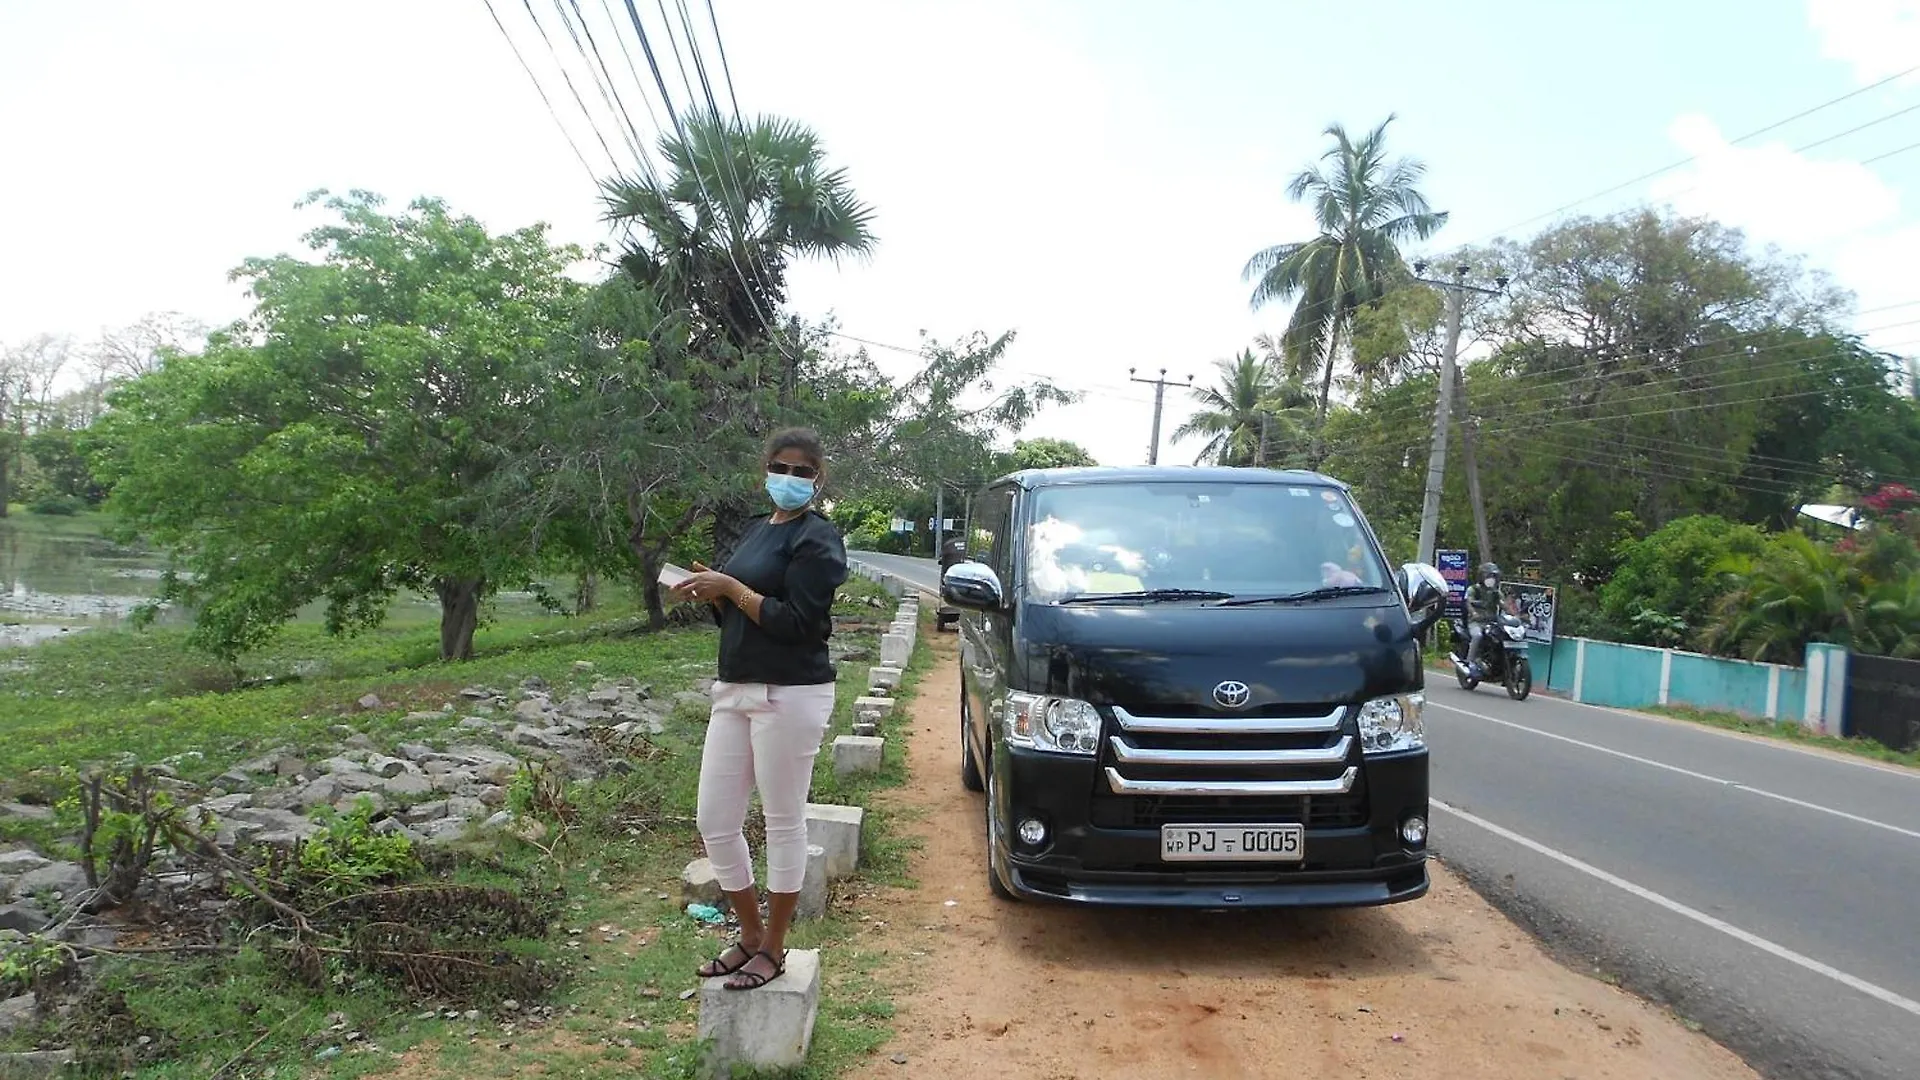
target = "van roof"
x: 1134, y: 474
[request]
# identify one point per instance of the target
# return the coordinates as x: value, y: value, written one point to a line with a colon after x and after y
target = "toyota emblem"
x: 1232, y: 695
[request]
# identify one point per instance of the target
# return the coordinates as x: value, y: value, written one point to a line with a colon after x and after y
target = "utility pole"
x: 1437, y: 460
x: 1159, y: 397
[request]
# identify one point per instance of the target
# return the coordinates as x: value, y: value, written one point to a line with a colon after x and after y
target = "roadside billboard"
x: 1535, y: 605
x: 1455, y: 567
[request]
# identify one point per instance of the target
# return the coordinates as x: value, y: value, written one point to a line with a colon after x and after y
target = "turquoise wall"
x: 1629, y: 676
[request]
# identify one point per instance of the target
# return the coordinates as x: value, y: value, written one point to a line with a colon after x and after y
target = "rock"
x: 533, y: 684
x: 357, y: 781
x: 268, y: 762
x: 443, y: 831
x: 492, y: 796
x: 422, y: 813
x: 17, y: 1012
x: 523, y: 735
x: 407, y: 787
x: 693, y: 698
x: 418, y: 753
x: 290, y: 767
x: 22, y: 861
x: 338, y: 764
x: 35, y: 1064
x: 476, y: 693
x: 475, y: 723
x: 386, y: 767
x: 533, y: 709
x: 499, y: 820
x: 24, y: 916
x: 322, y: 791
x: 225, y: 804
x: 699, y: 886
x: 609, y: 696
x: 372, y: 701
x: 350, y: 804
x: 583, y: 666
x: 64, y: 879
x: 24, y: 812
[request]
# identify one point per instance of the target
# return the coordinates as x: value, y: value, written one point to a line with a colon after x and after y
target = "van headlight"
x: 1392, y: 724
x: 1040, y: 722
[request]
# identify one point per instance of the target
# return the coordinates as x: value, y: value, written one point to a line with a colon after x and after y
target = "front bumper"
x: 1358, y: 865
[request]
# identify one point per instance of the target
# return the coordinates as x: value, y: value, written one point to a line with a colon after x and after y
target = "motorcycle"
x: 1503, y: 658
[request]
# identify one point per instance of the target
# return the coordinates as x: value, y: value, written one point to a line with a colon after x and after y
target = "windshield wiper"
x: 1326, y: 592
x: 1147, y: 596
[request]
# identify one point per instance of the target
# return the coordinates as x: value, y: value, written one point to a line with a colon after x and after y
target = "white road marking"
x: 1824, y: 754
x: 1734, y: 784
x: 1872, y: 990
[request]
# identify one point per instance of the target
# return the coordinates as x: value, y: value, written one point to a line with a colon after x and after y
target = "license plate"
x: 1233, y: 843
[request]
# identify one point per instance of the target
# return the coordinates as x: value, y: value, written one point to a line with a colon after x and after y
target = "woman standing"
x: 772, y: 703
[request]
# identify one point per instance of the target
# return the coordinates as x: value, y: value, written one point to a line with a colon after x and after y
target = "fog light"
x: 1032, y: 833
x: 1414, y: 830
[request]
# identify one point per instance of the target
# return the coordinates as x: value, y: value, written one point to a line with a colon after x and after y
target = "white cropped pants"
x: 764, y: 736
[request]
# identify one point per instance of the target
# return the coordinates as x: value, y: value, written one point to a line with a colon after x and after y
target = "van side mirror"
x: 1426, y: 591
x: 973, y: 586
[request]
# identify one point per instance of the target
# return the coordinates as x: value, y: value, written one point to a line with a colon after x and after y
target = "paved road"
x: 1768, y: 893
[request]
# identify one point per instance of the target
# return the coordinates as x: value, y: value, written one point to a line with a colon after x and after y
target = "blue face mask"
x: 789, y: 492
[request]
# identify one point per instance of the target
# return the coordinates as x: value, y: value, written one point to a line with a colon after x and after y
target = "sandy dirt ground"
x: 1444, y: 986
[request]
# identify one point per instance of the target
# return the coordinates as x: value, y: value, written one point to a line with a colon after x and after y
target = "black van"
x: 1192, y: 687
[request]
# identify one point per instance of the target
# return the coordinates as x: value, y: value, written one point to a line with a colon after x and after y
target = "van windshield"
x: 1239, y: 539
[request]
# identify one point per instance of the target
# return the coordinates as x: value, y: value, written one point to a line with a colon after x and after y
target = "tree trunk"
x: 459, y: 615
x: 586, y: 593
x: 1326, y: 395
x: 730, y: 519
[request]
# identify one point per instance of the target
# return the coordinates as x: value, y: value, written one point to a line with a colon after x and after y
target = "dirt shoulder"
x: 1441, y: 987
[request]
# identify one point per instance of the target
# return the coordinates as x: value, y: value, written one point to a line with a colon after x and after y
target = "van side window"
x: 992, y: 513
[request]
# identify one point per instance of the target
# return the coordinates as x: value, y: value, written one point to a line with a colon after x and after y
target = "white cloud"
x: 1877, y: 38
x: 1775, y: 194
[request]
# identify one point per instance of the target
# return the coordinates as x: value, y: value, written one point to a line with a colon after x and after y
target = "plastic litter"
x: 706, y: 913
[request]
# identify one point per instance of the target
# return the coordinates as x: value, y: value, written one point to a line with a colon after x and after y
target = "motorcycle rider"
x: 1483, y: 614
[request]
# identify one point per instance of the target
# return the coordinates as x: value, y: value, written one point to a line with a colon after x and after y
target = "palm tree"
x: 738, y: 203
x: 1247, y: 414
x: 1366, y: 206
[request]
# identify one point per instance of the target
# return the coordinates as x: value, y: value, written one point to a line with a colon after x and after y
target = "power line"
x: 612, y: 158
x: 1691, y: 158
x: 548, y: 102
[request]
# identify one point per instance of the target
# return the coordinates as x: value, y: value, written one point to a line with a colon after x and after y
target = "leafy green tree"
x: 1666, y: 586
x: 1796, y: 592
x: 341, y: 442
x: 61, y: 455
x: 1047, y: 453
x: 1367, y: 206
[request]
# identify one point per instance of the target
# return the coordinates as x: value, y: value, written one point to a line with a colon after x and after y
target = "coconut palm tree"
x: 1366, y: 206
x: 1249, y: 413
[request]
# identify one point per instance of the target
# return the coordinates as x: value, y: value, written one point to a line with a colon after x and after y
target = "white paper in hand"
x: 671, y: 576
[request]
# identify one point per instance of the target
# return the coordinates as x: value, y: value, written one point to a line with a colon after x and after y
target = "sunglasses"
x: 781, y: 468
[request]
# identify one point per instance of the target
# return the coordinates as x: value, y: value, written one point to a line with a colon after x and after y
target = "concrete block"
x: 872, y: 709
x: 856, y: 754
x: 768, y: 1028
x: 813, y: 887
x: 882, y: 677
x: 894, y: 586
x: 836, y: 829
x: 699, y: 886
x: 895, y: 650
x: 865, y: 727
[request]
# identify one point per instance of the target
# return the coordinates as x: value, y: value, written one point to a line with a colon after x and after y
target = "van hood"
x: 1172, y: 655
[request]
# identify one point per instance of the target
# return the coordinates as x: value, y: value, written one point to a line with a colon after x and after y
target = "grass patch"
x: 1790, y: 731
x: 614, y: 855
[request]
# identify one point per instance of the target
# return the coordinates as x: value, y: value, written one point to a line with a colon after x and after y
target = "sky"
x: 1091, y: 174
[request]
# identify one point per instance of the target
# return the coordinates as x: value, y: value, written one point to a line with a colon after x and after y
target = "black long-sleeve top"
x: 797, y: 567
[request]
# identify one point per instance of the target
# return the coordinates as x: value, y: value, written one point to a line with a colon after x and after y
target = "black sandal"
x: 759, y: 980
x: 720, y: 963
